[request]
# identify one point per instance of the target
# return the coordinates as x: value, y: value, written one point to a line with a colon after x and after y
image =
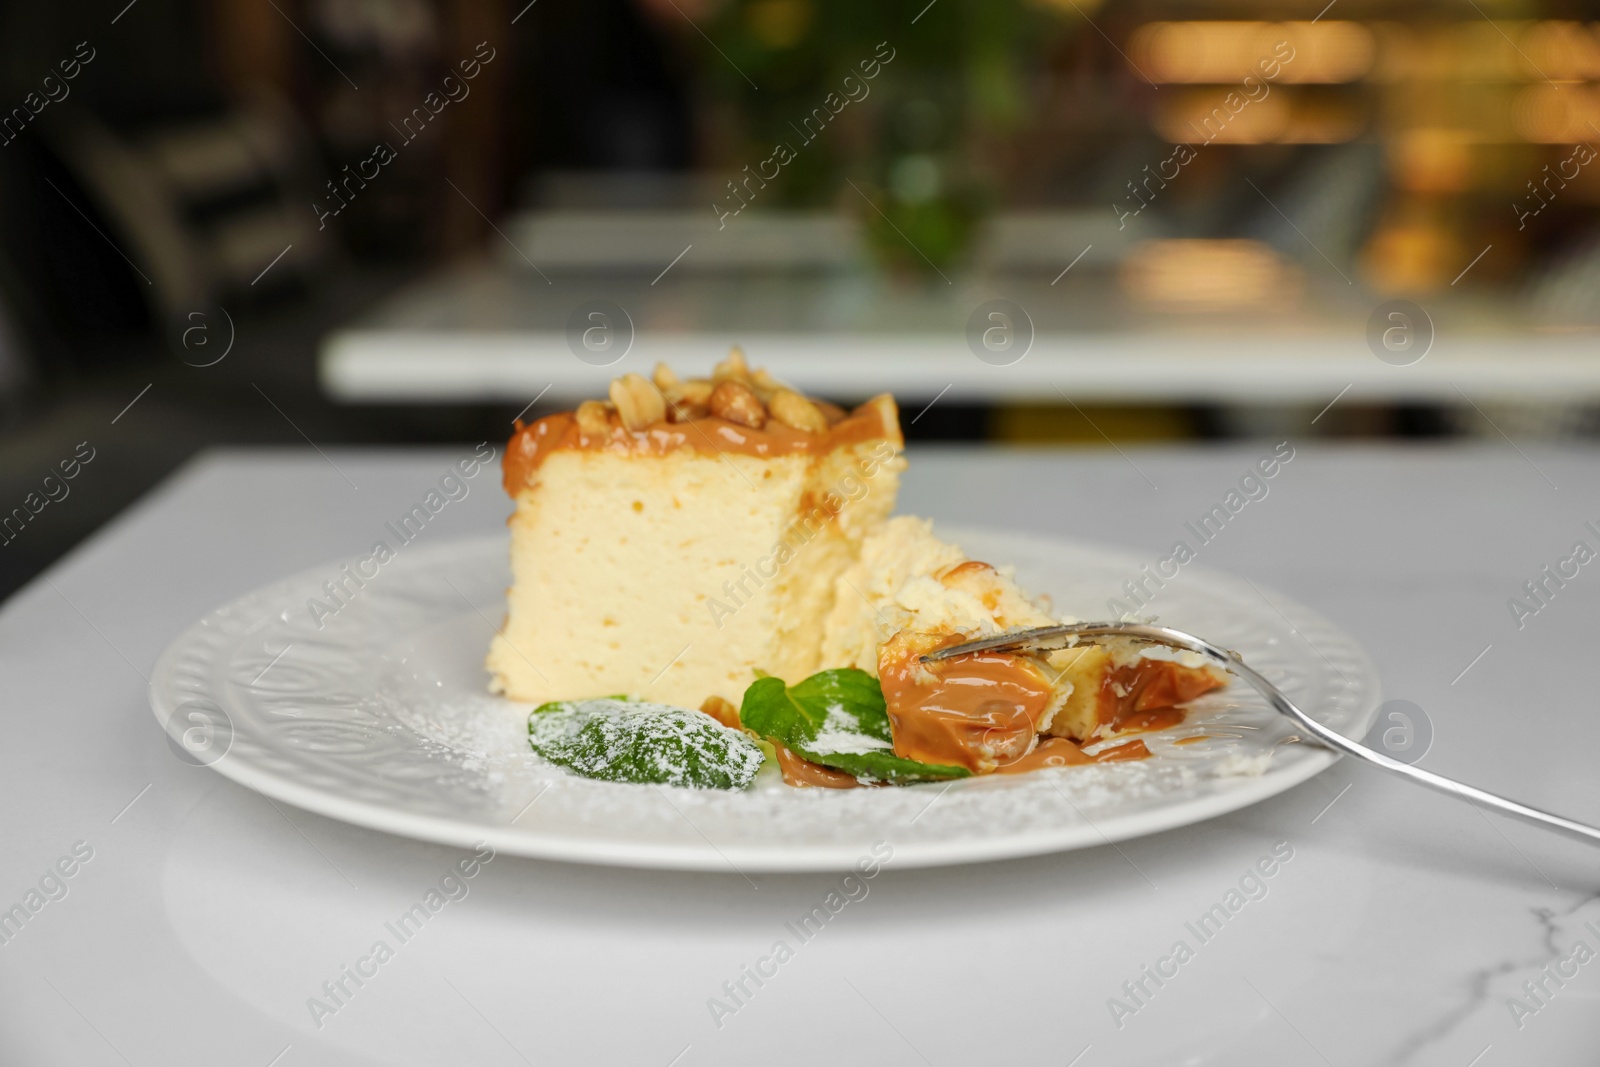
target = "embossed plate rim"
x: 209, y: 634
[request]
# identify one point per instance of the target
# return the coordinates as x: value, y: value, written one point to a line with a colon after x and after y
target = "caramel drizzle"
x: 532, y: 444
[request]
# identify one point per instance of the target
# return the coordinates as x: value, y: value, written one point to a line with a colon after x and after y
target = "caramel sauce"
x: 801, y: 772
x: 531, y: 444
x: 971, y: 566
x: 528, y: 447
x: 1135, y: 749
x: 1151, y: 692
x: 1050, y: 752
x: 1061, y: 752
x: 723, y: 711
x: 977, y: 711
x: 981, y: 711
x: 1146, y: 719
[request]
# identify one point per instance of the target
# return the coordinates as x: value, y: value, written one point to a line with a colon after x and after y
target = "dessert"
x: 984, y: 711
x: 675, y: 539
x: 726, y: 545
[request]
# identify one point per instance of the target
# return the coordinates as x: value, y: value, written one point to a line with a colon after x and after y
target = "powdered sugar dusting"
x: 384, y: 712
x: 841, y: 735
x: 634, y: 741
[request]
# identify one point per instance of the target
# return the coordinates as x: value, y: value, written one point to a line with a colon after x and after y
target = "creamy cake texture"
x: 670, y: 542
x: 683, y: 538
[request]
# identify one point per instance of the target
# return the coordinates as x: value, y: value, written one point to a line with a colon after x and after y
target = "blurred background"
x: 1066, y: 222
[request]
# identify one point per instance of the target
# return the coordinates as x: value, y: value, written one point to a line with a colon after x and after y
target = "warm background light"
x: 1221, y: 52
x: 1557, y: 114
x: 1203, y: 275
x: 1411, y: 253
x: 1196, y: 116
x: 1200, y: 116
x: 1482, y: 51
x: 1432, y: 160
x: 1562, y: 50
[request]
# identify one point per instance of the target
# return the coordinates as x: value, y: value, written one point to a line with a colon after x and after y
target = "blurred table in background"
x: 1114, y: 316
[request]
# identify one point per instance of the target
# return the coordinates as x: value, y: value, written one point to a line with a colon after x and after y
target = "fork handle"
x: 1332, y: 739
x: 1326, y: 736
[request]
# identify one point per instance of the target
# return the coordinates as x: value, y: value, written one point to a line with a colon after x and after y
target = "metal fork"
x: 1044, y: 638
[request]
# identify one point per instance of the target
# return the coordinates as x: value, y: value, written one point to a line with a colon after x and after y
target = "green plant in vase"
x: 926, y: 199
x: 895, y: 98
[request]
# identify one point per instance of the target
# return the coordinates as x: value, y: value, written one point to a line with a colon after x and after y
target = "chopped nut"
x: 736, y: 402
x: 687, y: 400
x: 683, y: 411
x: 695, y: 391
x: 665, y: 380
x: 734, y: 368
x: 832, y: 412
x: 594, y: 418
x: 792, y: 409
x: 765, y: 385
x: 638, y: 402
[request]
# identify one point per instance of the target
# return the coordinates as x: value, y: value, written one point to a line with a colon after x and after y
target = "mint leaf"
x: 562, y: 705
x: 838, y: 719
x: 625, y: 741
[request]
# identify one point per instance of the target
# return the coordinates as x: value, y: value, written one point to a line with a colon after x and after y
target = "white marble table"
x: 205, y: 916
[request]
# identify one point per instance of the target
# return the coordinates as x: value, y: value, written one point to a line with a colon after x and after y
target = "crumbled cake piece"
x: 907, y: 581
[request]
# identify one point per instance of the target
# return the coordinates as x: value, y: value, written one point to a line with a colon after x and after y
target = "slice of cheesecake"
x: 910, y: 593
x: 670, y: 542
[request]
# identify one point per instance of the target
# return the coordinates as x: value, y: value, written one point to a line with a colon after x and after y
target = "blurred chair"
x: 205, y: 206
x: 115, y: 236
x: 15, y: 376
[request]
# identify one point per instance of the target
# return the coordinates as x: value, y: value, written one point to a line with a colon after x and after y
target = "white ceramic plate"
x: 381, y: 718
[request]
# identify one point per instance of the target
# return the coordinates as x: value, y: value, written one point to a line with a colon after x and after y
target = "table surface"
x: 479, y: 332
x: 205, y: 917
